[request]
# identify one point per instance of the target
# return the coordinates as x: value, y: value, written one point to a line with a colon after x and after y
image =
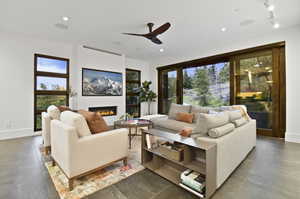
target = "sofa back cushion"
x: 53, y: 112
x: 77, y: 121
x: 185, y: 117
x: 178, y: 108
x: 95, y: 121
x: 206, y: 122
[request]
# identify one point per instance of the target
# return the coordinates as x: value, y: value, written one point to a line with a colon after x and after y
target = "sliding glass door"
x: 258, y: 87
x: 254, y: 87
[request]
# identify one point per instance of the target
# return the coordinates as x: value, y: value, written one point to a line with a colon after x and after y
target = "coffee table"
x: 130, y: 124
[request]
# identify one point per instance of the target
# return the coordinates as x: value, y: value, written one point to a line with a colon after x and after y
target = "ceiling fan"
x: 152, y: 35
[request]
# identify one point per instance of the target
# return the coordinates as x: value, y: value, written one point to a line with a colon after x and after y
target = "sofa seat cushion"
x: 177, y: 108
x: 53, y: 112
x: 206, y: 122
x: 77, y: 121
x: 185, y: 117
x: 220, y: 131
x: 95, y: 121
x: 172, y: 124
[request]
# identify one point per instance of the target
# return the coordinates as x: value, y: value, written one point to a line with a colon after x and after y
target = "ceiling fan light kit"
x: 152, y: 35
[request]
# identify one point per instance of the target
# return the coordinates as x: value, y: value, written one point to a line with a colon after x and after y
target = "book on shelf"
x: 191, y: 190
x: 153, y: 141
x: 193, y: 179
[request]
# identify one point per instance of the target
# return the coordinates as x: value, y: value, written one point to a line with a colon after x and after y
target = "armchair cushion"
x: 53, y: 112
x: 95, y: 121
x: 76, y: 120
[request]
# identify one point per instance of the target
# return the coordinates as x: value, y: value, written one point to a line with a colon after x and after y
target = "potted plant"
x: 146, y: 94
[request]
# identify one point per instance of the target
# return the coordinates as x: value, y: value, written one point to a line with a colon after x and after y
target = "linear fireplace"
x: 104, y: 110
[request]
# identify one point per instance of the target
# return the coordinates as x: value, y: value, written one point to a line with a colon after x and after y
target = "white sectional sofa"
x: 232, y: 148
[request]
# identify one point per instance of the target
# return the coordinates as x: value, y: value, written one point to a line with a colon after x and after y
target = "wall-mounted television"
x: 101, y: 83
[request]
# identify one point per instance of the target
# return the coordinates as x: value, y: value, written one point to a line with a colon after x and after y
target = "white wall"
x: 17, y: 75
x: 16, y: 80
x: 292, y: 38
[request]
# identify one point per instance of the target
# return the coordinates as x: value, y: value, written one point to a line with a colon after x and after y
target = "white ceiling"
x: 196, y: 24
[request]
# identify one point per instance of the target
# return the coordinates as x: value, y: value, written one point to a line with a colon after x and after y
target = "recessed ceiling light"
x: 276, y: 25
x: 271, y: 7
x: 161, y: 50
x: 223, y: 29
x: 65, y: 18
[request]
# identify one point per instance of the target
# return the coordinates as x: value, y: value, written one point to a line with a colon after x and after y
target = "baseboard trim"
x: 16, y: 133
x: 292, y: 137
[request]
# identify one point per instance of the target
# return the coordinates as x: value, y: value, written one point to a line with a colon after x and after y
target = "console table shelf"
x: 171, y: 169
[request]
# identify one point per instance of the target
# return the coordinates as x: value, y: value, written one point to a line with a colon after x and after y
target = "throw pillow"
x: 53, y: 112
x: 175, y: 108
x: 95, y: 122
x: 198, y: 109
x: 185, y: 117
x: 64, y: 108
x: 240, y: 122
x: 76, y: 120
x: 186, y: 132
x: 234, y: 115
x: 206, y: 122
x: 220, y: 131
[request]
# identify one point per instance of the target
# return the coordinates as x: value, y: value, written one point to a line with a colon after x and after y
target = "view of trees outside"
x: 52, y: 84
x: 207, y: 85
x: 255, y: 82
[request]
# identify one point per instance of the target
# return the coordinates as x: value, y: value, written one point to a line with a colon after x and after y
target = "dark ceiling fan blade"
x: 161, y: 29
x: 132, y: 34
x: 155, y: 40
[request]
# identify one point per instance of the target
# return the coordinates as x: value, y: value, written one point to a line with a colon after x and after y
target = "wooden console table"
x: 171, y: 169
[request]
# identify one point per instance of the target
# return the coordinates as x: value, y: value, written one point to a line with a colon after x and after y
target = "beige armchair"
x: 79, y: 156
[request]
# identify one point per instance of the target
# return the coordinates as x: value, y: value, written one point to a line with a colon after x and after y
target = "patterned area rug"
x: 94, y: 182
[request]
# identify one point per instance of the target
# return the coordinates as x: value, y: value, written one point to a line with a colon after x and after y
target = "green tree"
x: 187, y: 81
x: 212, y: 74
x: 43, y: 86
x: 224, y: 74
x: 201, y: 83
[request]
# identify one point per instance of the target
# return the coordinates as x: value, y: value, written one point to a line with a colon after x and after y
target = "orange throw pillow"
x: 185, y: 117
x: 186, y: 132
x: 95, y: 122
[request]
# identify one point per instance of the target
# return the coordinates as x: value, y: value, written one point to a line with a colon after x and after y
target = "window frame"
x: 49, y: 92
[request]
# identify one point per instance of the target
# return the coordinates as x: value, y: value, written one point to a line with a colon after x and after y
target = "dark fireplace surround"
x: 104, y: 110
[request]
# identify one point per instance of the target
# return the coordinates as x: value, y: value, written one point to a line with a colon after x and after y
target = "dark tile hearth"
x: 272, y: 170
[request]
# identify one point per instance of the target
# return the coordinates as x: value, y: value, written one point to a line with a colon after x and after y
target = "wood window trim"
x: 278, y: 47
x: 49, y: 74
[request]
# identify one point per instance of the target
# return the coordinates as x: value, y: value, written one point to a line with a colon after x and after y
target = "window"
x: 207, y: 85
x: 51, y: 84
